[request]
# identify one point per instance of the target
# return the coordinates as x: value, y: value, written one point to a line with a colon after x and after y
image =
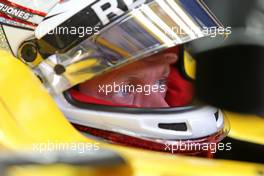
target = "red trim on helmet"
x: 130, y: 141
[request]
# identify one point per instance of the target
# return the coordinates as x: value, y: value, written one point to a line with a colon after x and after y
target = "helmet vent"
x: 173, y: 126
x: 216, y: 114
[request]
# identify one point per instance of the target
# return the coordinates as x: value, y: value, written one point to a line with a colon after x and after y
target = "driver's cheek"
x: 153, y: 100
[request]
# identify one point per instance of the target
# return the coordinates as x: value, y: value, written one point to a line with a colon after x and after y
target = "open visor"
x: 139, y: 33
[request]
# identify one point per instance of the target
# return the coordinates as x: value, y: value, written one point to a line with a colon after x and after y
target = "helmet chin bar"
x: 196, y: 147
x: 153, y: 126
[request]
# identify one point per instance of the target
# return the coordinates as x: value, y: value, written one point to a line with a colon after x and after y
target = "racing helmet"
x: 76, y: 41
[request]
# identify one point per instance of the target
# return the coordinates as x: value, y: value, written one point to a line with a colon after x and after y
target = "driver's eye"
x: 125, y: 90
x: 122, y: 94
x: 161, y: 82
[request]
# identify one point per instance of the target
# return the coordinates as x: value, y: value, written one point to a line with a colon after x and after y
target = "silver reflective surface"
x: 144, y: 31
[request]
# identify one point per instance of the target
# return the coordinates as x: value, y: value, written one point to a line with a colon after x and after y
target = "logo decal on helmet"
x: 113, y: 7
x: 25, y: 14
x: 8, y: 10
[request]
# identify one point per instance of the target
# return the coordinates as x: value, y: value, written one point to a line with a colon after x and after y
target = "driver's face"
x: 142, y: 84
